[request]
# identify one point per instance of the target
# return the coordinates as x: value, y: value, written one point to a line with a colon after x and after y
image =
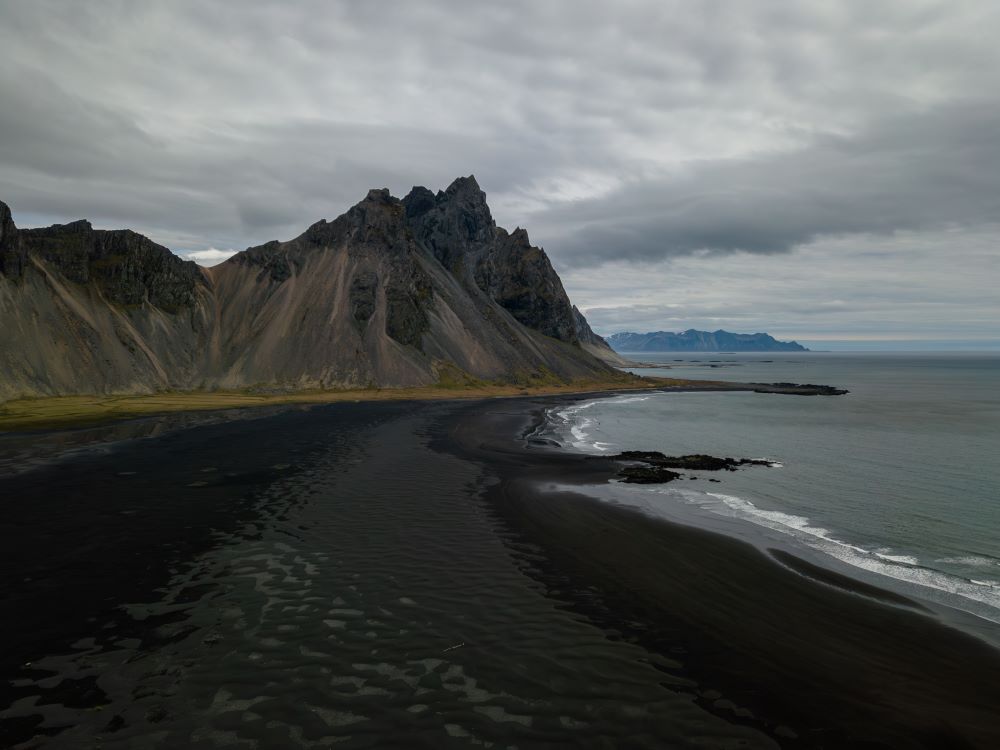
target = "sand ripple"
x: 374, y: 601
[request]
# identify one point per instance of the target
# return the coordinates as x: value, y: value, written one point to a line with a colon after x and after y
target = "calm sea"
x: 899, y: 480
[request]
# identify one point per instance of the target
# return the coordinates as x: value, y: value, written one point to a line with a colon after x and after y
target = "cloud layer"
x: 650, y: 132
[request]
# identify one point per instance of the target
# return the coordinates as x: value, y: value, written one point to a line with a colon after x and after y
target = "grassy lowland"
x: 77, y: 411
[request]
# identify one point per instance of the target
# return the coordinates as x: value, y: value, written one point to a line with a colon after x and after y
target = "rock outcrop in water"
x: 656, y: 467
x: 693, y: 462
x: 392, y: 293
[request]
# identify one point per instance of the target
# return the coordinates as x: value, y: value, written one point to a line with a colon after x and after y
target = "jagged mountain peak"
x: 7, y: 226
x: 520, y: 237
x: 466, y: 187
x: 386, y: 294
x: 12, y: 257
x: 453, y: 225
x: 79, y: 226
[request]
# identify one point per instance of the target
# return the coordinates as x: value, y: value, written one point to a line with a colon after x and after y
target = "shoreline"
x: 691, y: 627
x: 955, y: 607
x: 43, y: 414
x: 810, y: 655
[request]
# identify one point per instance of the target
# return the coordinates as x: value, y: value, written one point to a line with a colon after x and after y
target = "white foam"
x: 901, y: 567
x: 773, y: 463
x: 901, y: 559
x: 580, y: 426
x: 627, y: 399
x: 886, y: 562
x: 975, y: 561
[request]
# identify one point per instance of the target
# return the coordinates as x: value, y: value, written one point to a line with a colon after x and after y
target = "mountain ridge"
x: 693, y: 340
x: 391, y: 293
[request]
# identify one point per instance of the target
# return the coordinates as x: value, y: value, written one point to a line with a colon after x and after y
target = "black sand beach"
x: 400, y: 574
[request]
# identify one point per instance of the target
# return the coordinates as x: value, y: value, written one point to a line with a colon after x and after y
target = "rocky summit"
x: 393, y: 293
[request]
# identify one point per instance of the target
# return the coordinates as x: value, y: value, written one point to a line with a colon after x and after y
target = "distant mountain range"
x: 392, y: 293
x: 700, y: 341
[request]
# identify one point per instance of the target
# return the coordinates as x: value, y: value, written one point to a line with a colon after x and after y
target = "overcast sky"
x: 825, y: 171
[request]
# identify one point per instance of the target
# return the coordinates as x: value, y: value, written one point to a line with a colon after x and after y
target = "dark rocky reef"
x: 647, y: 475
x: 693, y: 462
x: 658, y: 467
x: 128, y: 268
x: 799, y: 389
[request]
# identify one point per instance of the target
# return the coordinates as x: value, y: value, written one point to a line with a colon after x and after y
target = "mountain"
x: 392, y: 293
x: 594, y: 344
x: 700, y: 341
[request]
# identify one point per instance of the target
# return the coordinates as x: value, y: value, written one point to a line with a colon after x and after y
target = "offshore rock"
x: 697, y: 461
x: 647, y: 475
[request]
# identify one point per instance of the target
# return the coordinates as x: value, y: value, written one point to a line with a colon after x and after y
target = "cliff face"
x: 126, y: 267
x: 594, y: 344
x: 88, y: 311
x: 12, y: 256
x: 392, y: 293
x: 701, y: 341
x: 457, y: 228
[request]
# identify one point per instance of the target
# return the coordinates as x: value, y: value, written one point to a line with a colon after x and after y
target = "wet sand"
x: 814, y: 657
x: 398, y: 575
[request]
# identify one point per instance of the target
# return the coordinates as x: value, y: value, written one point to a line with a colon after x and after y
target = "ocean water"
x: 897, y: 482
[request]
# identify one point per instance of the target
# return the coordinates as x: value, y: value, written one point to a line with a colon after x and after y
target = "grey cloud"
x: 691, y: 130
x: 928, y: 171
x: 870, y: 286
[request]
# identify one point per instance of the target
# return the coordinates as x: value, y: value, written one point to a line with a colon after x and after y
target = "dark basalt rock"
x: 584, y: 332
x: 693, y: 462
x: 13, y: 257
x: 67, y: 247
x: 433, y: 271
x: 647, y: 475
x: 658, y: 467
x: 128, y: 268
x: 454, y: 224
x: 803, y: 389
x: 408, y: 295
x: 270, y: 259
x: 419, y: 201
x: 521, y: 279
x: 457, y: 228
x: 376, y: 233
x: 362, y: 292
